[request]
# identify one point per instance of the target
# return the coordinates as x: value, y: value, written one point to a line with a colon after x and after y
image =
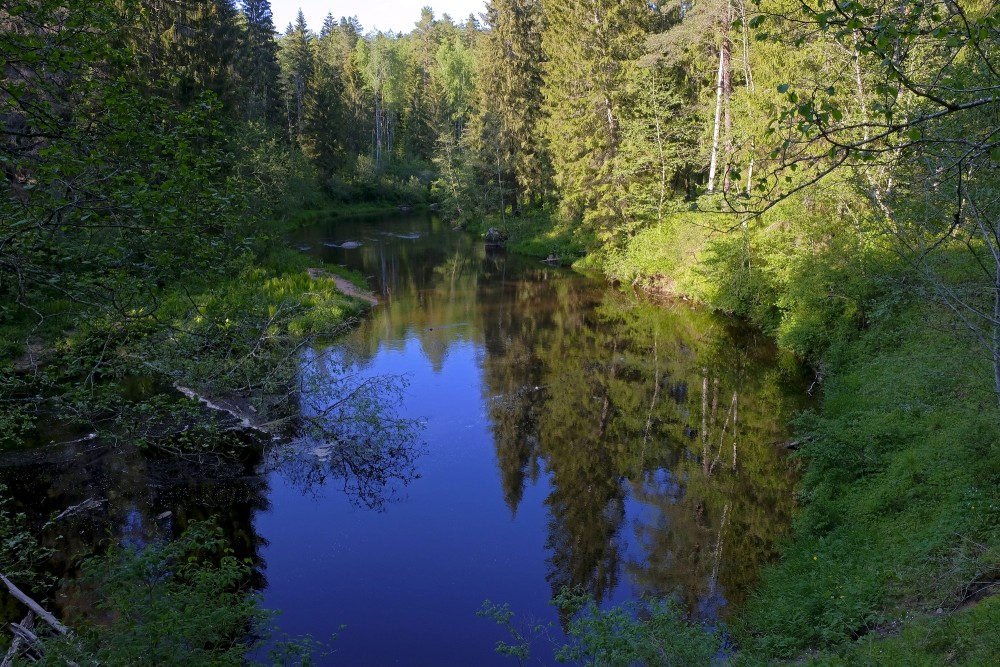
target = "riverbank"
x: 895, y: 556
x: 895, y: 553
x: 184, y: 389
x: 225, y: 336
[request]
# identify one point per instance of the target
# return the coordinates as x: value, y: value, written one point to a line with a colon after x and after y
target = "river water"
x: 548, y: 431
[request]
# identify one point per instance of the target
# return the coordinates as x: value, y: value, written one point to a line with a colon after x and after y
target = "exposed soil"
x: 345, y: 286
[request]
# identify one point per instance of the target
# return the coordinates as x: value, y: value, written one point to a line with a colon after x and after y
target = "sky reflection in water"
x: 572, y: 436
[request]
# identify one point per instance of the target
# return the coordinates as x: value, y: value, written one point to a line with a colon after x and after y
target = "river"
x: 543, y: 430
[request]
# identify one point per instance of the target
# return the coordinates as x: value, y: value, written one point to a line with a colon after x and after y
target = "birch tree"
x: 919, y: 133
x: 381, y: 64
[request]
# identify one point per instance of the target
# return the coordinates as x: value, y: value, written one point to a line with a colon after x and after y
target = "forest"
x: 826, y: 170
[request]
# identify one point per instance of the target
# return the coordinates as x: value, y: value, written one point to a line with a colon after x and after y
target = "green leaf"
x: 783, y: 88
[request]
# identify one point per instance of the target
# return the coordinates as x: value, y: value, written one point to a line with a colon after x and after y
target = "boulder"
x: 494, y: 237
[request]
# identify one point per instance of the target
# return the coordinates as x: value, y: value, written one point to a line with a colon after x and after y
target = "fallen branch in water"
x: 88, y: 504
x: 244, y: 421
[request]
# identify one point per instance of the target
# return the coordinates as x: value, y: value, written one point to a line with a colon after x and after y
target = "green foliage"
x: 589, y: 52
x: 900, y: 499
x: 240, y: 336
x: 662, y: 257
x: 508, y: 122
x: 539, y: 235
x: 456, y: 188
x: 654, y: 632
x: 503, y: 616
x: 966, y: 637
x: 20, y: 551
x: 179, y: 602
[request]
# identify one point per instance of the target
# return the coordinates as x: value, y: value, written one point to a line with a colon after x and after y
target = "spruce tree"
x: 200, y: 49
x: 508, y: 125
x: 296, y: 58
x: 258, y: 67
x: 590, y: 48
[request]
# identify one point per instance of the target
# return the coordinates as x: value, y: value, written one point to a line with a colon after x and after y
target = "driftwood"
x: 244, y: 422
x: 25, y: 634
x: 88, y: 504
x: 18, y: 643
x: 34, y: 606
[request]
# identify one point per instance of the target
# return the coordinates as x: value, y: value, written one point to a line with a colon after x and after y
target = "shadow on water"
x: 345, y: 435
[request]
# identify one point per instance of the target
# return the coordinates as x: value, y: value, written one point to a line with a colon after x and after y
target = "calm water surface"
x: 552, y: 432
x: 573, y: 436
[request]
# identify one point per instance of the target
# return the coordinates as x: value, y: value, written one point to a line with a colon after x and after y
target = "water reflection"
x: 575, y: 437
x: 136, y: 499
x: 645, y: 410
x: 349, y: 432
x: 652, y: 426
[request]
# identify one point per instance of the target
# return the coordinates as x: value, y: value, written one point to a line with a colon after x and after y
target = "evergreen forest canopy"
x: 826, y: 169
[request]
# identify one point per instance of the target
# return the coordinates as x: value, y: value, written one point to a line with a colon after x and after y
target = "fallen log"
x: 88, y: 504
x: 18, y: 643
x: 34, y: 606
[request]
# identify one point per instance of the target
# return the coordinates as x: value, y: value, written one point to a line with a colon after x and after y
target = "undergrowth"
x: 900, y: 506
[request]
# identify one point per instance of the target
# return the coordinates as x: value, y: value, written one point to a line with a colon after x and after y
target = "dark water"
x: 560, y: 434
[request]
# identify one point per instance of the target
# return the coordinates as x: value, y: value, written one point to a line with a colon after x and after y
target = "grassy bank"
x: 895, y: 553
x: 233, y: 337
x: 897, y: 538
x: 230, y: 335
x: 537, y: 235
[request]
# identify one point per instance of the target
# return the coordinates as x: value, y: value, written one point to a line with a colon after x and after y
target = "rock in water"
x: 494, y: 237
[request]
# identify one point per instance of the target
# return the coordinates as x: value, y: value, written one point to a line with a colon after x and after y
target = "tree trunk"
x: 723, y: 88
x: 718, y: 121
x: 727, y: 93
x: 996, y: 334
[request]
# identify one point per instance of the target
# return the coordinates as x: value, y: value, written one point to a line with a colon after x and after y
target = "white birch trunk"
x: 718, y: 118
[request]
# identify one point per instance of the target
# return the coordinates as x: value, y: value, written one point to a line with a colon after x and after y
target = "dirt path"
x: 345, y: 286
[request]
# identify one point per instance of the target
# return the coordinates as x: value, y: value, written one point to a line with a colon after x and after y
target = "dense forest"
x: 826, y: 170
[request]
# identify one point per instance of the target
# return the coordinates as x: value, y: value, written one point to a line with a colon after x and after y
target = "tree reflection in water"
x: 350, y: 433
x: 657, y: 426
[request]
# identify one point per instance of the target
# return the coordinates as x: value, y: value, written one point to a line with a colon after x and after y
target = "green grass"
x: 966, y: 637
x: 901, y: 504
